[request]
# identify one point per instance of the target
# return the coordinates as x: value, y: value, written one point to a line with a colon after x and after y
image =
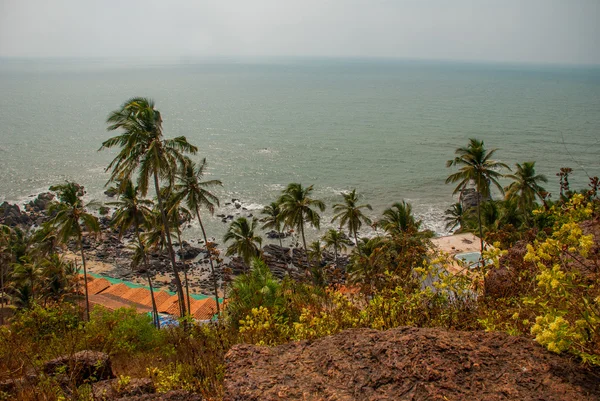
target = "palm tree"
x: 526, y: 187
x: 144, y: 149
x: 69, y: 215
x: 456, y: 217
x: 58, y: 275
x: 27, y: 273
x: 251, y: 290
x: 297, y: 208
x: 245, y: 243
x: 476, y: 168
x: 178, y: 216
x: 336, y: 240
x: 315, y: 251
x: 350, y: 214
x: 132, y: 211
x: 196, y: 194
x: 273, y: 219
x: 398, y: 219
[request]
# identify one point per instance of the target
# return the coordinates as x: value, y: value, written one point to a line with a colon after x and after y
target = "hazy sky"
x: 537, y: 31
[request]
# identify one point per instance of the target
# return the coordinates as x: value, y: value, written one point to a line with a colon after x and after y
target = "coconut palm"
x: 59, y: 276
x: 144, y: 149
x: 27, y: 273
x: 70, y: 215
x: 476, y: 168
x: 178, y: 216
x: 298, y: 208
x: 336, y: 240
x: 350, y: 214
x: 133, y: 211
x: 273, y: 219
x: 196, y: 193
x: 398, y: 219
x: 245, y: 244
x: 456, y: 217
x: 256, y: 288
x: 525, y: 187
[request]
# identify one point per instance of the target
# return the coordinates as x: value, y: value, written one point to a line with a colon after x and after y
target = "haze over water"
x: 383, y: 127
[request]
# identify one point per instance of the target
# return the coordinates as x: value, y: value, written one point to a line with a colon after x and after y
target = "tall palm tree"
x: 350, y: 214
x: 196, y: 193
x: 476, y: 168
x: 70, y: 215
x: 133, y: 211
x: 398, y: 219
x: 336, y: 240
x: 245, y: 243
x: 273, y: 219
x: 298, y: 208
x: 178, y: 216
x: 525, y: 187
x: 144, y: 149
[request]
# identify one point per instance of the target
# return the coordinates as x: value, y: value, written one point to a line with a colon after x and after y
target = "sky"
x: 513, y: 31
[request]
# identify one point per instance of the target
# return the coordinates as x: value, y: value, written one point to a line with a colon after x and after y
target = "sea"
x: 384, y: 127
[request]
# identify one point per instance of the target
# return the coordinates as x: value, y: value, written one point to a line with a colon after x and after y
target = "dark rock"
x: 173, y: 395
x: 111, y: 192
x: 112, y: 389
x: 81, y: 366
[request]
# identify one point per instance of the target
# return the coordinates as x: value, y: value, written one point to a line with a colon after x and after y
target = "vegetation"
x: 539, y: 279
x: 245, y: 243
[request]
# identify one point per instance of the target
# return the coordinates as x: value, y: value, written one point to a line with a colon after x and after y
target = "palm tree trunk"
x: 185, y: 276
x: 335, y: 255
x: 87, y: 299
x: 480, y: 225
x: 154, y: 307
x: 304, y: 241
x: 210, y: 259
x: 170, y: 247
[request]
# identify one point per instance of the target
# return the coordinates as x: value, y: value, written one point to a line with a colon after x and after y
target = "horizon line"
x: 198, y: 59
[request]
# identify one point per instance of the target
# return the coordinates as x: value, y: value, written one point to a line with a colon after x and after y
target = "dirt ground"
x: 407, y: 364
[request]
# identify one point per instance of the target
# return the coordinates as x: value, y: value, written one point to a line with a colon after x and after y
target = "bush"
x: 120, y: 331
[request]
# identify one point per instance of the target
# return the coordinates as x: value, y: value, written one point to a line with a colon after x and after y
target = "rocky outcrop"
x: 188, y: 251
x: 81, y: 367
x: 407, y: 364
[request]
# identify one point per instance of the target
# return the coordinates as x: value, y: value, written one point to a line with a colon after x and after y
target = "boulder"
x: 81, y: 367
x: 113, y: 388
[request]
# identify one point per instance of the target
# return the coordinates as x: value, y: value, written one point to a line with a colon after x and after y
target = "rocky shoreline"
x: 110, y: 255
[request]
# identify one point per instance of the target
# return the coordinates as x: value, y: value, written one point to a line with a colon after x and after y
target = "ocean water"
x: 383, y: 127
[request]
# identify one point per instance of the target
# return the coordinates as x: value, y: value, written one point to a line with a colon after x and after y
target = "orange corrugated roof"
x: 159, y: 297
x: 111, y: 302
x: 117, y: 289
x: 173, y: 309
x: 165, y: 305
x: 205, y: 310
x: 135, y: 294
x: 96, y: 286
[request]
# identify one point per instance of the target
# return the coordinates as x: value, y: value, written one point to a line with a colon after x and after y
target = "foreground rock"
x: 81, y: 367
x: 407, y: 364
